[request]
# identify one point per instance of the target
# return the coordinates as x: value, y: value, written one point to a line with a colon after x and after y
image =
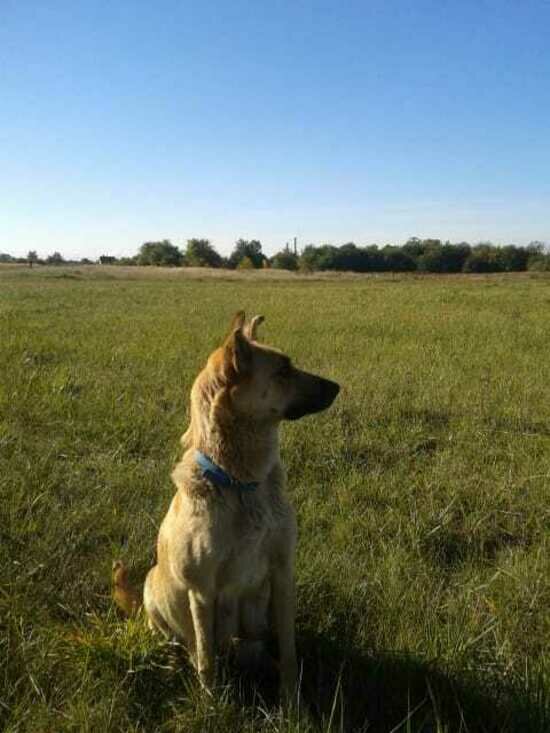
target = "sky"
x: 128, y: 121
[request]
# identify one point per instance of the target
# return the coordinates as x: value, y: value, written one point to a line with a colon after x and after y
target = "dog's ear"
x: 251, y: 330
x: 237, y: 321
x: 237, y: 353
x: 242, y: 352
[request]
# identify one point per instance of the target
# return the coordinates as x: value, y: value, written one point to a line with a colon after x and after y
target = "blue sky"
x: 122, y: 122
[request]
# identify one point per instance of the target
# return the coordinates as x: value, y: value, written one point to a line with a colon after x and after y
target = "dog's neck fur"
x: 247, y: 449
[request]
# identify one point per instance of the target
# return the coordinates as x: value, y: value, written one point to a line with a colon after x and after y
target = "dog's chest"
x: 247, y: 560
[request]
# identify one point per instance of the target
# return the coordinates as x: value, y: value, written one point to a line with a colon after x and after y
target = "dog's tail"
x: 125, y: 596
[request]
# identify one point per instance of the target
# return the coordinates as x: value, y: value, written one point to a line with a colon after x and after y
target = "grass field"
x: 422, y: 498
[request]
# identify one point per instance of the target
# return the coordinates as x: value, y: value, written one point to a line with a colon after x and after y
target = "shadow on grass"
x: 450, y: 547
x: 392, y: 692
x: 348, y: 692
x: 155, y: 684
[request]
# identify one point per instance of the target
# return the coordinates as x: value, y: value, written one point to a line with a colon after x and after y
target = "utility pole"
x: 296, y: 246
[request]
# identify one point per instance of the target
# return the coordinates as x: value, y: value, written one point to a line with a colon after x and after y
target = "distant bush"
x: 394, y: 259
x: 250, y: 249
x: 437, y: 257
x: 32, y: 257
x: 201, y: 253
x: 416, y: 255
x: 285, y: 260
x: 512, y: 258
x: 160, y: 253
x: 55, y: 259
x: 246, y: 264
x: 539, y: 263
x: 307, y: 261
x: 483, y: 258
x: 422, y: 255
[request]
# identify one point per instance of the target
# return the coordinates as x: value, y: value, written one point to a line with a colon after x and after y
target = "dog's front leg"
x: 284, y: 608
x: 203, y: 613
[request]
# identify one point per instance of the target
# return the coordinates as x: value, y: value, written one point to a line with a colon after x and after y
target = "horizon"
x: 288, y: 246
x: 130, y: 123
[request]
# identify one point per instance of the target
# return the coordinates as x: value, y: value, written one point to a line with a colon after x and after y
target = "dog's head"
x: 261, y: 382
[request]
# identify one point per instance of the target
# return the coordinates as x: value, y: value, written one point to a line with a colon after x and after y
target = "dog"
x: 226, y: 547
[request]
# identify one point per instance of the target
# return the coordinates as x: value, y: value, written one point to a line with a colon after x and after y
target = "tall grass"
x: 422, y: 499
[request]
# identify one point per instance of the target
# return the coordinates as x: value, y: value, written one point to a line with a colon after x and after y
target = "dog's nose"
x: 330, y: 391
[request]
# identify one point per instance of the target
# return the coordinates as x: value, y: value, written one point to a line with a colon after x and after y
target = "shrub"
x: 246, y: 264
x: 252, y: 249
x: 539, y: 263
x: 483, y: 258
x: 159, y: 253
x: 201, y: 253
x: 285, y: 260
x: 438, y: 257
x: 396, y: 260
x: 54, y: 259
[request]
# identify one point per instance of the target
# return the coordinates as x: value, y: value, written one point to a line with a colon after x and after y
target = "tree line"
x: 416, y: 255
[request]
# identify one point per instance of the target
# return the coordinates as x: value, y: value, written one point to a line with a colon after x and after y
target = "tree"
x: 285, y: 260
x: 483, y: 258
x: 375, y: 259
x: 201, y: 253
x: 536, y: 247
x: 160, y: 253
x: 395, y: 260
x: 54, y: 259
x: 107, y: 260
x: 246, y: 264
x: 351, y: 258
x: 439, y: 257
x: 32, y: 257
x: 327, y: 257
x: 414, y: 247
x: 308, y: 261
x: 512, y: 258
x: 539, y: 263
x: 247, y: 248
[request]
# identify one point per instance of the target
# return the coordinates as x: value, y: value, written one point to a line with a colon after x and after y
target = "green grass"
x: 422, y: 499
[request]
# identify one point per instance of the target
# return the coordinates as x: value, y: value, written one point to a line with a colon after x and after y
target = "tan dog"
x: 225, y: 552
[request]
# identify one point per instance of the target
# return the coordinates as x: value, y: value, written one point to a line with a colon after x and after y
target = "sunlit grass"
x: 422, y: 499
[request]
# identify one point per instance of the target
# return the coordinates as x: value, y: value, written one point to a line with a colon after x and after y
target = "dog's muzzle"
x: 317, y: 395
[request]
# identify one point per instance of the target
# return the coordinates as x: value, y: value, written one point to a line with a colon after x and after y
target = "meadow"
x: 422, y: 495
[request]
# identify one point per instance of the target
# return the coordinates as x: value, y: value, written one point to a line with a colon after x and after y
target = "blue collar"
x: 218, y: 476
